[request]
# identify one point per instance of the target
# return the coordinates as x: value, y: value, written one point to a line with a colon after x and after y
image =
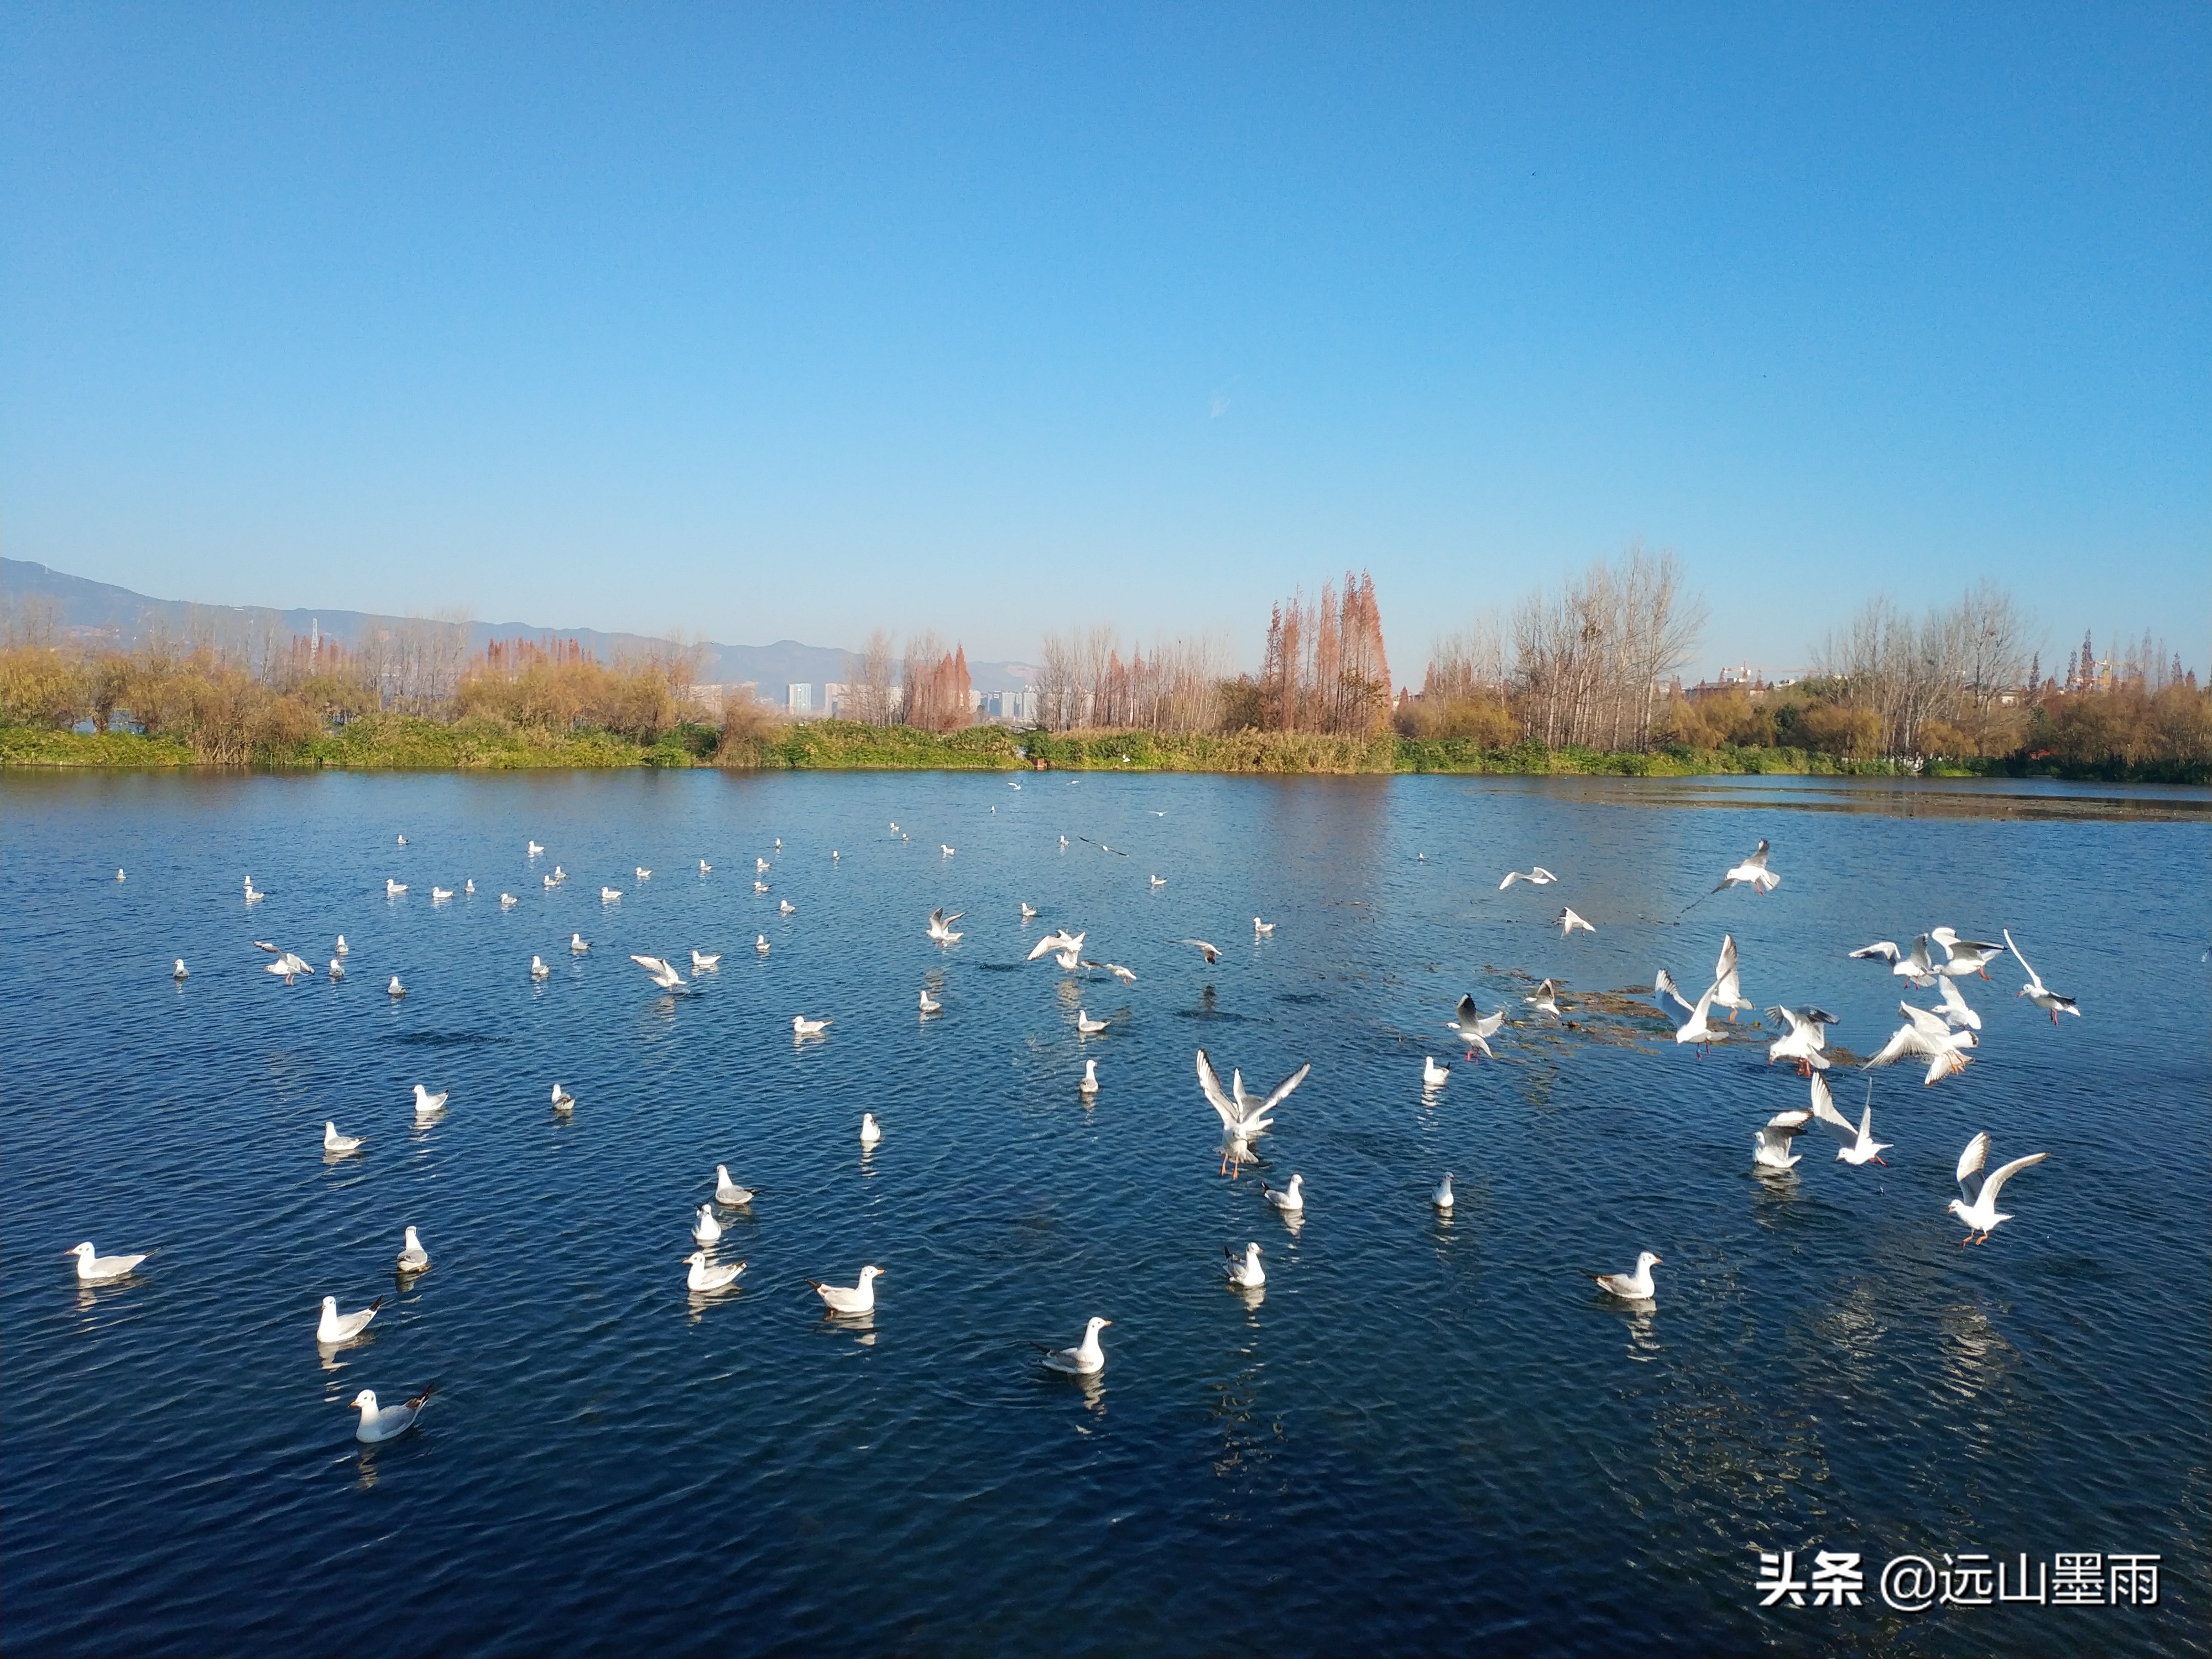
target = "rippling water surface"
x: 1425, y: 1437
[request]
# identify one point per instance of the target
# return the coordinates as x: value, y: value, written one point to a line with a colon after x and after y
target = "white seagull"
x: 93, y: 1268
x: 940, y: 924
x: 1569, y: 922
x: 802, y: 1026
x: 759, y: 886
x: 760, y: 944
x: 2037, y: 992
x: 1058, y: 939
x: 870, y: 1131
x: 1913, y: 964
x: 1242, y: 1117
x: 343, y: 949
x: 1925, y: 1036
x: 427, y: 1104
x: 929, y: 1003
x: 1212, y: 953
x: 1982, y: 1215
x: 701, y: 960
x: 179, y: 972
x: 1291, y: 1200
x: 508, y: 900
x: 1028, y: 911
x: 705, y: 1230
x: 609, y: 895
x: 395, y: 989
x: 1727, y: 988
x: 1245, y: 1273
x: 1086, y: 1357
x: 1089, y: 1084
x: 947, y: 851
x: 470, y: 886
x: 861, y: 1299
x: 538, y: 969
x: 703, y: 1276
x: 1262, y: 928
x: 1433, y: 1076
x: 787, y: 908
x: 576, y: 945
x: 1963, y: 957
x: 1159, y: 881
x: 336, y: 970
x: 1957, y: 1010
x: 439, y: 895
x: 1546, y: 1000
x: 392, y: 888
x: 1086, y: 1025
x: 1753, y: 873
x: 660, y: 970
x: 562, y: 1100
x: 760, y: 866
x: 335, y: 1142
x: 535, y: 849
x: 1692, y: 1024
x: 643, y: 874
x: 413, y: 1258
x: 1861, y: 1146
x: 335, y: 1327
x: 379, y: 1424
x: 1536, y: 875
x: 1631, y: 1287
x: 1806, y: 1036
x: 1442, y: 1198
x: 1771, y: 1154
x: 705, y: 868
x: 1474, y: 1028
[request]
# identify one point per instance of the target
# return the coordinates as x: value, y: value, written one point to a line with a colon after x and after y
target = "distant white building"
x: 833, y: 693
x: 799, y: 699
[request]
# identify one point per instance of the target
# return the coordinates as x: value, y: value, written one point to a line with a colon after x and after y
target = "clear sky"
x: 795, y: 320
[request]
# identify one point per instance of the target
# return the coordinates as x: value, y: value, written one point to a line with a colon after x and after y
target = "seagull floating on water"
x: 439, y: 895
x: 1537, y: 875
x: 861, y: 1299
x: 1442, y: 1198
x: 1434, y: 1075
x: 427, y: 1104
x: 1086, y: 1357
x: 787, y: 908
x: 1159, y: 881
x: 1245, y: 1273
x: 343, y: 949
x: 1028, y: 911
x: 576, y: 945
x: 335, y: 1327
x: 562, y: 1100
x: 643, y: 874
x: 508, y: 900
x: 704, y: 1228
x: 535, y: 849
x: 93, y: 1268
x: 701, y: 960
x: 1982, y: 1215
x: 802, y: 1026
x: 538, y: 969
x: 378, y: 1424
x: 705, y: 868
x: 1086, y: 1025
x: 413, y: 1258
x: 610, y: 895
x: 179, y: 971
x: 930, y: 1005
x: 1289, y: 1200
x: 704, y: 1277
x: 1261, y: 929
x: 1631, y: 1287
x: 336, y: 970
x: 2037, y: 992
x: 392, y: 888
x: 335, y: 1142
x: 760, y: 944
x: 869, y: 1133
x: 1089, y: 1083
x: 395, y: 989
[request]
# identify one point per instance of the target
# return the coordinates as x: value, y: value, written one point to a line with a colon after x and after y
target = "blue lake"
x: 1425, y: 1437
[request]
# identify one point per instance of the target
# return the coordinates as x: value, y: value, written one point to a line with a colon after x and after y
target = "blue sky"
x: 793, y: 321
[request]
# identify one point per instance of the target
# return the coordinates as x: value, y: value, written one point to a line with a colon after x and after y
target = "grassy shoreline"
x: 402, y: 743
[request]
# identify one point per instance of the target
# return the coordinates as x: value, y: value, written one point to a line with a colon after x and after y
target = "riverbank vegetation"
x: 1582, y: 677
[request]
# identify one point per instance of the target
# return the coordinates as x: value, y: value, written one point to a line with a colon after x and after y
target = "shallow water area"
x: 1425, y: 1434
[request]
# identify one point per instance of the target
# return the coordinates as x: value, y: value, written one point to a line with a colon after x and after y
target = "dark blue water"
x: 1424, y: 1437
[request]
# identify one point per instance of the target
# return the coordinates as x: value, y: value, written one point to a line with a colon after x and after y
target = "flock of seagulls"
x: 1943, y: 1035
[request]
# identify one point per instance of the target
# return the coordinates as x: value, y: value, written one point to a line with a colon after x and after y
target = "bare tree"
x: 874, y: 695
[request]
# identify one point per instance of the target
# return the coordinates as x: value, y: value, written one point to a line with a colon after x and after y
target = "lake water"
x: 1426, y: 1436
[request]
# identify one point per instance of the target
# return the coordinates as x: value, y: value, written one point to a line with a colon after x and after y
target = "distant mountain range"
x: 94, y: 611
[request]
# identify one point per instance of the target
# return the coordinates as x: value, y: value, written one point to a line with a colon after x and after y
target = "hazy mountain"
x: 97, y: 611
